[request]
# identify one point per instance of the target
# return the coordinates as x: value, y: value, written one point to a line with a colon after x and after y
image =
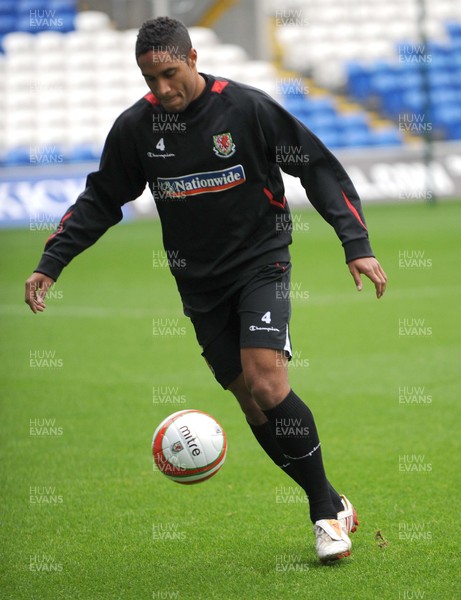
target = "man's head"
x: 167, y: 61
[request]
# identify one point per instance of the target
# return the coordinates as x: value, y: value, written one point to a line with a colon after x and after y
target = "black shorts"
x: 256, y: 315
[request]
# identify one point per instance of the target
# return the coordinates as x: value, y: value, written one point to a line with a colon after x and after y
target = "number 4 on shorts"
x: 266, y: 318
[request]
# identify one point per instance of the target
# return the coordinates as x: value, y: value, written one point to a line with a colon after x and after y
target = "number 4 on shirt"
x: 160, y: 145
x: 266, y: 318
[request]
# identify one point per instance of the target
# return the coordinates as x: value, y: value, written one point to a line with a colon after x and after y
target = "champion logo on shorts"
x: 256, y: 328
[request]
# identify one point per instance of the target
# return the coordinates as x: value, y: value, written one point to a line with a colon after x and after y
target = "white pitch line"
x: 97, y: 312
x: 59, y: 308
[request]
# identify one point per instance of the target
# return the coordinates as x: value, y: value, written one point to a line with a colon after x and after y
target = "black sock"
x: 293, y: 425
x: 268, y: 442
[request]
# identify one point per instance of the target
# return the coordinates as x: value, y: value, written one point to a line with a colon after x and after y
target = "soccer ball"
x: 189, y: 446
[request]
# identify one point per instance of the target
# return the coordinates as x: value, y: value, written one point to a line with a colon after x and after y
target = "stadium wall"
x: 37, y: 196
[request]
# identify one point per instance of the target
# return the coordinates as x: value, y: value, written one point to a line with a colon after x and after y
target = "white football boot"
x: 331, y: 541
x: 348, y: 517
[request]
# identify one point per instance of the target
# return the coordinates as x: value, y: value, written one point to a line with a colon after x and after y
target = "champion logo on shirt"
x: 201, y: 183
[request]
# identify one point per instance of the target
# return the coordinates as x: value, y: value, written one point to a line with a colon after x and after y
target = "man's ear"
x: 192, y: 57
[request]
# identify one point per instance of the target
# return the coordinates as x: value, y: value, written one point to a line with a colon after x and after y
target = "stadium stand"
x: 62, y: 88
x: 66, y: 75
x: 373, y: 57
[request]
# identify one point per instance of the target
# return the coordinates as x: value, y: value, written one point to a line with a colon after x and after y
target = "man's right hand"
x: 36, y: 288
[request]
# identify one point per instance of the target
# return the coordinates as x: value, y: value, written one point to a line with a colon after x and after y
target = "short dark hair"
x: 164, y: 34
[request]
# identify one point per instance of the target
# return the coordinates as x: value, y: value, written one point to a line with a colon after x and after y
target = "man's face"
x: 173, y: 80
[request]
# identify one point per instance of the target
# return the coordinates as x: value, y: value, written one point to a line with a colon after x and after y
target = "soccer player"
x: 214, y: 172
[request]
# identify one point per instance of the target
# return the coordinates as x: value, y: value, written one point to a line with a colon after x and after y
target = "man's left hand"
x: 370, y: 267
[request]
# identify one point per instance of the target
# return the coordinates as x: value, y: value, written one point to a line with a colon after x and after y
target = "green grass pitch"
x: 84, y: 385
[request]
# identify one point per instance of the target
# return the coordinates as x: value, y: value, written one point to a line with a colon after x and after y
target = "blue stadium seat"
x: 413, y: 100
x: 63, y: 5
x: 7, y: 24
x: 448, y: 118
x: 454, y: 30
x: 440, y: 78
x: 68, y: 22
x: 443, y: 95
x: 298, y: 114
x: 8, y: 7
x: 358, y: 80
x: 330, y: 137
x: 27, y: 23
x: 456, y: 67
x: 383, y: 83
x: 358, y: 138
x: 26, y: 6
x: 296, y: 105
x: 322, y: 120
x: 17, y: 156
x: 324, y: 105
x: 357, y: 121
x: 389, y: 136
x: 410, y: 77
x: 386, y: 86
x: 82, y: 153
x: 454, y: 131
x: 437, y: 50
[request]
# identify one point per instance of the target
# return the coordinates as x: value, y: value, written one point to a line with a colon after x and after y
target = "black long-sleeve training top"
x: 214, y: 171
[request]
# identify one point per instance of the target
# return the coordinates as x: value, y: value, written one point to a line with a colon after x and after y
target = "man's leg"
x: 264, y: 434
x: 235, y: 337
x: 266, y: 378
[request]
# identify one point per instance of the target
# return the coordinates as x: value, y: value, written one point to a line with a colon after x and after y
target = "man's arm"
x: 298, y: 152
x: 118, y: 180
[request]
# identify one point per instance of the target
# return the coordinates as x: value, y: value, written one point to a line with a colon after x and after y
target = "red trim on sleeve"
x: 218, y: 86
x: 273, y: 201
x: 151, y: 98
x: 60, y: 227
x: 353, y: 210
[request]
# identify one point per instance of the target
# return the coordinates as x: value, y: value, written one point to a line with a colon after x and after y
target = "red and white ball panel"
x: 189, y: 446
